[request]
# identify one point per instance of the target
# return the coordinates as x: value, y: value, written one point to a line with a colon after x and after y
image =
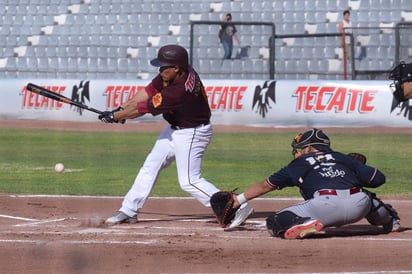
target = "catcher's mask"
x: 314, y: 137
x: 400, y: 74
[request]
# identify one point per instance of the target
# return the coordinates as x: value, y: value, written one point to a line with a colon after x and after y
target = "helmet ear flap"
x: 398, y: 91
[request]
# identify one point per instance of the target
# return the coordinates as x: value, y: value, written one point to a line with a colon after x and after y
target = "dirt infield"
x: 40, y: 234
x: 64, y: 234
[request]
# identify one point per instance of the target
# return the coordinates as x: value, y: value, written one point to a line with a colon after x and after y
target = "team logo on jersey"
x: 330, y: 172
x: 263, y: 98
x: 80, y: 93
x: 157, y: 99
x: 190, y: 81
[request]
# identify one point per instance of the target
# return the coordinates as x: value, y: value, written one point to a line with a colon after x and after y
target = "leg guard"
x: 381, y: 213
x: 280, y: 222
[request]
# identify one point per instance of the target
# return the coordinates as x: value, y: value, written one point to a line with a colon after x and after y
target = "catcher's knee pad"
x: 280, y: 222
x: 381, y: 213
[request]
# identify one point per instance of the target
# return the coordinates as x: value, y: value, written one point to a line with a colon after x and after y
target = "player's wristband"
x: 241, y: 198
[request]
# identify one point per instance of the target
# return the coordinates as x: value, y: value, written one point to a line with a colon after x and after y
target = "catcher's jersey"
x: 326, y: 170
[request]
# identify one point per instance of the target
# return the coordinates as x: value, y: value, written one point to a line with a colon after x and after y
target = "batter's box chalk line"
x: 41, y: 222
x: 18, y: 218
x: 32, y: 222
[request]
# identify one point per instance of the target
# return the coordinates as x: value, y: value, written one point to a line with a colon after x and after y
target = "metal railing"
x: 361, y: 65
x: 398, y: 42
x: 270, y: 39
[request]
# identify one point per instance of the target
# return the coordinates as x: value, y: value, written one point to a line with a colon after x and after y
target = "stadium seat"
x: 106, y: 29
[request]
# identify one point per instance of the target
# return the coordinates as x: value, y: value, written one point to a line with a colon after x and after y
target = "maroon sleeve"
x: 143, y: 107
x: 151, y: 90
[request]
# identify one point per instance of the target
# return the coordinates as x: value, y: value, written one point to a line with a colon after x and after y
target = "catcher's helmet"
x: 401, y: 73
x: 171, y: 55
x: 314, y: 137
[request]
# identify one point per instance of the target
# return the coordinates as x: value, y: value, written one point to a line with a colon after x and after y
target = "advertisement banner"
x: 269, y: 103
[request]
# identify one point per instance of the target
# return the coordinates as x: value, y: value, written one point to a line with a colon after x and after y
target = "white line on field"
x: 145, y: 242
x: 17, y: 218
x: 203, y: 233
x: 393, y: 199
x: 162, y: 230
x: 97, y: 231
x: 33, y: 222
x: 39, y: 222
x: 121, y: 197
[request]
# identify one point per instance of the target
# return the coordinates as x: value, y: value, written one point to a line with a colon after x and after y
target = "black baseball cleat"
x: 303, y: 228
x: 270, y: 225
x: 393, y: 226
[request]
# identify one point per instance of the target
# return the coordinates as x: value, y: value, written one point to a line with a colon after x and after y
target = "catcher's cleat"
x: 241, y: 215
x: 120, y: 218
x: 396, y: 225
x: 303, y: 230
x: 392, y: 226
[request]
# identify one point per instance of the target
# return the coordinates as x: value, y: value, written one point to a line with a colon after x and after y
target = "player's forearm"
x: 128, y: 112
x: 130, y: 108
x: 258, y: 190
x: 254, y: 191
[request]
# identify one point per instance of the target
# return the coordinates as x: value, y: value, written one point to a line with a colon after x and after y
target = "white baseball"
x: 59, y: 167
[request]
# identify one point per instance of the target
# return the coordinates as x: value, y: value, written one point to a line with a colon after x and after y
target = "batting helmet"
x: 171, y: 55
x: 314, y: 137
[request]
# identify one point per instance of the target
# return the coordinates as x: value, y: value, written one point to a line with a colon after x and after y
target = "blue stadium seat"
x: 82, y: 64
x: 107, y: 28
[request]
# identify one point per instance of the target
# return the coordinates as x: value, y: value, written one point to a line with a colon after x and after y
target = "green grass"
x: 106, y: 163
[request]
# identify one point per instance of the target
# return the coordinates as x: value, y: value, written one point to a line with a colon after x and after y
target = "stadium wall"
x: 264, y: 103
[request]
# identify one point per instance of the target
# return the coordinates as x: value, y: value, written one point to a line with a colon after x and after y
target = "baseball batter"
x: 332, y: 185
x: 179, y: 95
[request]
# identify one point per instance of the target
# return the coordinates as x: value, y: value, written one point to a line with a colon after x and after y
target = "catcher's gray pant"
x: 186, y: 147
x: 334, y: 210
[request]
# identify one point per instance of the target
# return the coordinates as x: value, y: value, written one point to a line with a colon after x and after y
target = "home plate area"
x: 66, y: 234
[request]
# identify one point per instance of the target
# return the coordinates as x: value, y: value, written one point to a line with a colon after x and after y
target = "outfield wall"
x: 281, y: 103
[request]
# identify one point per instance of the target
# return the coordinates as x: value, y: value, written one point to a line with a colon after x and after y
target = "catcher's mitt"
x: 358, y: 156
x: 222, y: 205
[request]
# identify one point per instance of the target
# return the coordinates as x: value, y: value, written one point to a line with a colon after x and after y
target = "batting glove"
x: 108, y: 116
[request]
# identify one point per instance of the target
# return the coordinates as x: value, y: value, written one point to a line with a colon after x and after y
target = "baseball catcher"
x: 332, y: 185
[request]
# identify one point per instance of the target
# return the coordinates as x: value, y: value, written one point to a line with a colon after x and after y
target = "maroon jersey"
x: 183, y: 102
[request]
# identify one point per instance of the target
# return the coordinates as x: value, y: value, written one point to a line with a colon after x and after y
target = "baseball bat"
x: 58, y: 97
